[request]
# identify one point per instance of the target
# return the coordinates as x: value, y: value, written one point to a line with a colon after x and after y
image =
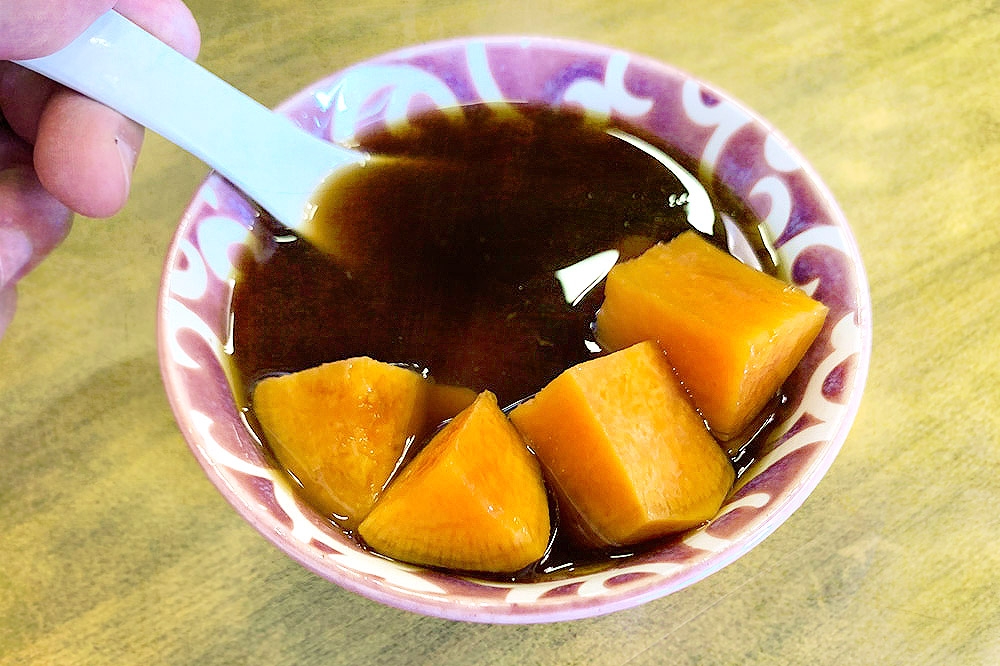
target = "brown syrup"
x: 448, y: 256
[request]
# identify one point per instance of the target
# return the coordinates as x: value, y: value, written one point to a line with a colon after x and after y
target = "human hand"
x: 60, y: 152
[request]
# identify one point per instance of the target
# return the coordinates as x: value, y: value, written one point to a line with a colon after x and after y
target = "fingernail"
x: 128, y: 156
x: 15, y: 253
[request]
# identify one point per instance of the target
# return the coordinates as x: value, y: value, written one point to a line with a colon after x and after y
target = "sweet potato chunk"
x: 342, y: 428
x: 445, y: 401
x: 472, y: 499
x: 627, y: 453
x: 732, y: 333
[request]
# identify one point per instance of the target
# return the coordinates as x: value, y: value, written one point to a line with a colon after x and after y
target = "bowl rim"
x: 470, y: 609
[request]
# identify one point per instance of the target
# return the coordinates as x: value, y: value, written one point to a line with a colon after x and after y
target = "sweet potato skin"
x: 627, y: 454
x: 732, y: 333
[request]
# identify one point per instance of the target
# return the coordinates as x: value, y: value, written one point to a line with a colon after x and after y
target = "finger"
x: 13, y: 149
x: 15, y: 256
x: 170, y: 20
x: 23, y: 93
x: 32, y: 223
x: 37, y: 28
x: 85, y: 154
x: 23, y: 96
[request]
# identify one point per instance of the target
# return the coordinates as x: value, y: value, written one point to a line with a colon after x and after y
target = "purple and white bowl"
x: 809, y: 233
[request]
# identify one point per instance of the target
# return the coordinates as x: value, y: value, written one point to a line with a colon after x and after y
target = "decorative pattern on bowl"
x: 729, y: 142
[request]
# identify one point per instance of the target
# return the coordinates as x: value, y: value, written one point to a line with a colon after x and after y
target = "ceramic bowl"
x: 729, y: 142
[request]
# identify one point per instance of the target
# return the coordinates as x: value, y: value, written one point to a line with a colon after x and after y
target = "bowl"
x: 728, y: 141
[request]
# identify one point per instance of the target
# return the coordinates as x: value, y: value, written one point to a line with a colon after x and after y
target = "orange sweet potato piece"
x: 472, y: 499
x: 732, y: 333
x: 341, y: 429
x: 444, y: 401
x: 626, y: 452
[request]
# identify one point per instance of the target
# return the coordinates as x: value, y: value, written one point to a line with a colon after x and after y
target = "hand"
x: 60, y: 152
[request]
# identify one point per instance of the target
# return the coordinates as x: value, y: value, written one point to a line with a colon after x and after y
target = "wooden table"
x: 115, y: 549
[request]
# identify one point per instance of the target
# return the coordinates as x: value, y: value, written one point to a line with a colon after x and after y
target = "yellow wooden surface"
x: 115, y: 549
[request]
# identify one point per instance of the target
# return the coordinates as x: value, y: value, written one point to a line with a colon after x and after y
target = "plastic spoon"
x: 277, y: 164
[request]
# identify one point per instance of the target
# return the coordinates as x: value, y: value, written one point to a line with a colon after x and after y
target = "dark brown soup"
x: 464, y: 254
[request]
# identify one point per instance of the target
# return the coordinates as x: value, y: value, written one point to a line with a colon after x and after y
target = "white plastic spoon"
x: 264, y: 154
x: 277, y: 164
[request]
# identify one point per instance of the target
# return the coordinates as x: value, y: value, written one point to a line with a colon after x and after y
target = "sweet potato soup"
x: 477, y: 255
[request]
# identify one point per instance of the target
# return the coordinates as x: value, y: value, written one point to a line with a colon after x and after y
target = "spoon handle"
x: 262, y: 153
